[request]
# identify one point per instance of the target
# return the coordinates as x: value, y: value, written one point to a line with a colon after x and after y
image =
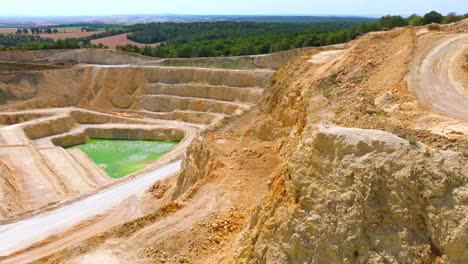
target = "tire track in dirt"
x: 432, y: 77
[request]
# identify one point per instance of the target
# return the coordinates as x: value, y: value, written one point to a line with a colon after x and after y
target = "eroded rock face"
x: 9, y: 201
x: 18, y: 86
x: 198, y: 164
x: 362, y: 196
x: 23, y: 90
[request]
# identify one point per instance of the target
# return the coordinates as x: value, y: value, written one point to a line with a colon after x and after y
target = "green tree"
x: 19, y: 31
x: 281, y: 45
x: 185, y: 52
x: 415, y: 20
x: 60, y: 44
x: 432, y: 17
x: 247, y: 49
x: 389, y: 22
x: 323, y: 39
x: 452, y: 17
x: 147, y: 51
x: 312, y: 40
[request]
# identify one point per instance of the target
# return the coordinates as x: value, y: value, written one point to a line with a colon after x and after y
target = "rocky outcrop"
x: 362, y: 196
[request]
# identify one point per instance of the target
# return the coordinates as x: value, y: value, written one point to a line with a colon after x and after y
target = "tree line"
x: 180, y: 33
x: 212, y: 39
x: 244, y: 46
x: 34, y: 42
x: 389, y: 22
x: 36, y: 30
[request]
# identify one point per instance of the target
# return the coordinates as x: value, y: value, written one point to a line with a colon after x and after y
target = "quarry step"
x: 234, y: 78
x: 222, y: 93
x: 73, y: 175
x: 32, y: 178
x: 186, y: 116
x: 169, y: 103
x: 98, y: 175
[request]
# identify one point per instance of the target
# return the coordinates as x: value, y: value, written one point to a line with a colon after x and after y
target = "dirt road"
x: 433, y: 76
x: 24, y: 234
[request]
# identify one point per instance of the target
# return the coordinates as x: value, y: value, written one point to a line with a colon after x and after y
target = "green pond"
x: 120, y: 158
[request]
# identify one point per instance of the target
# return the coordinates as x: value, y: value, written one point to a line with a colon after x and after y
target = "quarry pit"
x: 289, y: 145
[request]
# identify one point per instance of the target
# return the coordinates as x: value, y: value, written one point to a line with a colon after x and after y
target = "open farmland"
x: 64, y: 33
x: 119, y: 40
x: 69, y: 35
x: 7, y: 30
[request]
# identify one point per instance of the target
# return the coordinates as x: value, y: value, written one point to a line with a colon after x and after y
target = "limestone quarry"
x: 354, y: 153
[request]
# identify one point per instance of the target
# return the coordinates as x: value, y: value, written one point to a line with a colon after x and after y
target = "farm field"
x: 118, y: 40
x: 7, y: 30
x: 65, y: 33
x: 69, y: 35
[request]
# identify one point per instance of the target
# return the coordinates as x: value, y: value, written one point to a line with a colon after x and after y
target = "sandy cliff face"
x: 113, y: 87
x: 41, y: 89
x: 89, y: 86
x: 347, y: 195
x: 362, y: 196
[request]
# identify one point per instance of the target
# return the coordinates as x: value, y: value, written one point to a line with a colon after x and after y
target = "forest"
x: 33, y: 42
x: 180, y: 33
x: 207, y: 39
x: 228, y: 38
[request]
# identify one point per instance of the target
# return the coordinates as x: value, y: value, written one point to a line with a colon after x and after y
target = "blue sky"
x: 246, y: 7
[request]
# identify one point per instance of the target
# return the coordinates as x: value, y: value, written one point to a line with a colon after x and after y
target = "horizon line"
x: 175, y: 14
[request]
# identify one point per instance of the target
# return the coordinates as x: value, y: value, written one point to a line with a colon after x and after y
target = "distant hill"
x: 139, y: 19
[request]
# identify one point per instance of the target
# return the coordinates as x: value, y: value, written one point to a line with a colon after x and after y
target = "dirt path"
x: 24, y: 234
x: 432, y: 76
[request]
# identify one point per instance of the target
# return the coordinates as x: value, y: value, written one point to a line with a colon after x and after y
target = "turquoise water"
x: 120, y: 158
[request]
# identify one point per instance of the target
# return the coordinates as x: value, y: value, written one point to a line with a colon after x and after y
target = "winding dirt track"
x: 432, y: 76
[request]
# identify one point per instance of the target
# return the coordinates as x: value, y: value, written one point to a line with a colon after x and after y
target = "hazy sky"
x: 247, y: 7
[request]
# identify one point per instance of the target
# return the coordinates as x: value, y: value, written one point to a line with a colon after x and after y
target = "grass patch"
x: 412, y: 140
x: 327, y: 84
